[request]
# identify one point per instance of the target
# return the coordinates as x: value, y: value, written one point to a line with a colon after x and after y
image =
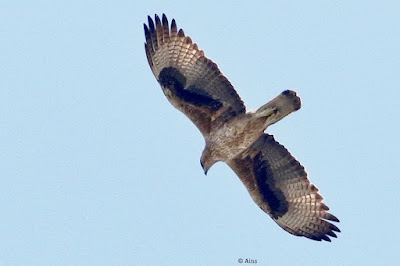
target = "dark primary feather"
x: 191, y: 82
x: 279, y: 185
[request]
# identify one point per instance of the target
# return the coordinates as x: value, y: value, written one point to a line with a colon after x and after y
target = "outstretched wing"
x: 191, y: 81
x: 279, y: 185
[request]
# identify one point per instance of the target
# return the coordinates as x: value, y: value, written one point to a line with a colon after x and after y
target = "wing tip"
x: 181, y: 33
x: 146, y: 31
x: 330, y: 217
x: 332, y: 234
x: 326, y: 238
x: 150, y: 22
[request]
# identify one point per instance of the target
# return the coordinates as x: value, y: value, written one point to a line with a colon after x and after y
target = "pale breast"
x: 234, y: 137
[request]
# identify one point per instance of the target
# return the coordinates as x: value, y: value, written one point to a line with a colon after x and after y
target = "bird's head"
x: 206, y: 160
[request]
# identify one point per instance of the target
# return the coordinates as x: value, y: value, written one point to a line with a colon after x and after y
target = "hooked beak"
x: 202, y: 166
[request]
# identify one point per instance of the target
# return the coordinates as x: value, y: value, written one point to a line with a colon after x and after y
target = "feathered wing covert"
x: 279, y: 185
x: 195, y: 86
x: 191, y: 81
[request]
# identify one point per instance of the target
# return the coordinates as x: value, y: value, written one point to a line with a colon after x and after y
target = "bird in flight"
x: 275, y: 180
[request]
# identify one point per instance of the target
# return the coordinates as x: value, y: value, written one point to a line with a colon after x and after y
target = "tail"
x: 281, y: 106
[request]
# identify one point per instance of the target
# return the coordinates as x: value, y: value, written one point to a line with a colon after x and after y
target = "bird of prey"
x: 274, y: 179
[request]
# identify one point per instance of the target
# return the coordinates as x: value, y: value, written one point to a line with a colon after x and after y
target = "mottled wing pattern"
x: 279, y: 185
x: 191, y: 82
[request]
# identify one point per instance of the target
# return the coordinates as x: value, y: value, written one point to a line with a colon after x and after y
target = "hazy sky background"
x: 97, y: 168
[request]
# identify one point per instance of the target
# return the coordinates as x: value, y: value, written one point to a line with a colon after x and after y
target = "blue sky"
x: 97, y: 167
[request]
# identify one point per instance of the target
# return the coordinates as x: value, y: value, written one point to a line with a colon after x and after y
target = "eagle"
x: 275, y: 180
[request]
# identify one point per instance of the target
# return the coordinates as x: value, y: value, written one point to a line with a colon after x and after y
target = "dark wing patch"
x: 268, y: 188
x: 191, y: 82
x: 279, y: 185
x: 172, y: 79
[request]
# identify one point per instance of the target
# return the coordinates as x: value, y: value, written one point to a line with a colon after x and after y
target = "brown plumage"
x: 275, y: 180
